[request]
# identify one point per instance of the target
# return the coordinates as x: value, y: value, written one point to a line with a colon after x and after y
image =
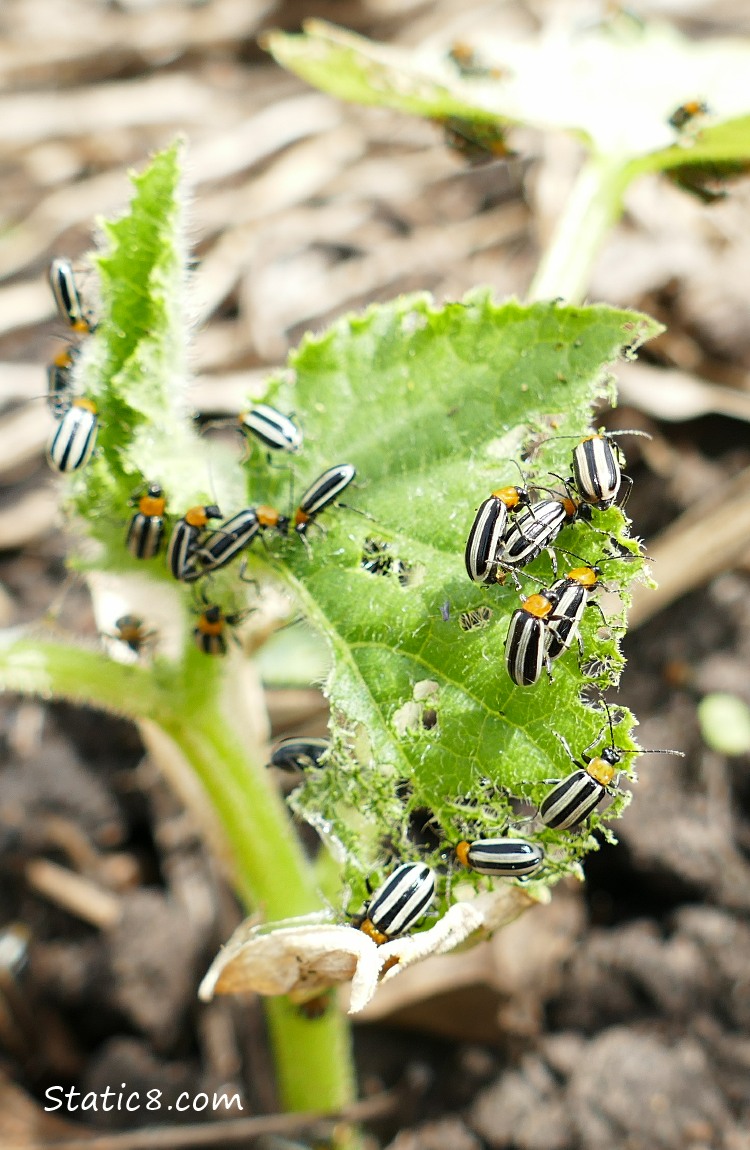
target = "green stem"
x: 594, y: 205
x: 274, y: 876
x: 313, y: 1058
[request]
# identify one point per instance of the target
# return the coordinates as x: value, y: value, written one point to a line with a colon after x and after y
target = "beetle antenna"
x: 654, y: 751
x: 630, y: 431
x: 610, y: 723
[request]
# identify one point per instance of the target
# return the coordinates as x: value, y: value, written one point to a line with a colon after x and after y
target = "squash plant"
x: 435, y: 406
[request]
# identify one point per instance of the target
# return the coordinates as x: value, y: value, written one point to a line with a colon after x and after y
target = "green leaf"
x: 615, y: 85
x: 432, y: 405
x: 135, y: 368
x: 364, y: 72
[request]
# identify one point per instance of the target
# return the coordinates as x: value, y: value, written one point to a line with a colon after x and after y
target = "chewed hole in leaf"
x: 414, y: 395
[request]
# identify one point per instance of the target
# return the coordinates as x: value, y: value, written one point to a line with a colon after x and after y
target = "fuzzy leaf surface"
x: 432, y: 405
x: 134, y: 368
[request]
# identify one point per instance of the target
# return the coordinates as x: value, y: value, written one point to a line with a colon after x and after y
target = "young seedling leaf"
x: 641, y: 94
x: 134, y: 368
x: 433, y: 406
x: 365, y: 72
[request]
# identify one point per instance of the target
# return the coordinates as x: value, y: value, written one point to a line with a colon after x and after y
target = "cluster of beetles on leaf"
x: 511, y: 529
x: 200, y: 541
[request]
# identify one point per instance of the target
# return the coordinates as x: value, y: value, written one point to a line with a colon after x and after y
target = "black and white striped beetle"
x: 67, y: 297
x: 299, y: 753
x: 274, y: 430
x: 547, y: 623
x: 597, y: 469
x: 534, y: 530
x: 573, y: 798
x: 209, y: 633
x: 133, y: 632
x: 59, y: 398
x: 488, y: 530
x: 321, y: 494
x: 146, y: 527
x: 686, y: 113
x: 571, y: 596
x: 221, y: 546
x: 398, y: 904
x: 502, y: 857
x: 73, y: 440
x: 526, y: 645
x: 186, y: 537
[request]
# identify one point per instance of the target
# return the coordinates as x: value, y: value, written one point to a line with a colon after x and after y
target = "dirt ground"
x: 618, y: 1016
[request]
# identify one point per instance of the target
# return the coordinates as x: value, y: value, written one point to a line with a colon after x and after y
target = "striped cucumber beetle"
x: 274, y: 430
x: 186, y: 537
x: 221, y: 546
x: 146, y: 527
x: 573, y: 798
x: 67, y: 297
x: 527, y: 640
x: 272, y: 520
x: 398, y: 904
x: 73, y: 440
x: 210, y: 631
x: 299, y: 753
x: 597, y: 470
x: 321, y: 494
x: 132, y: 631
x: 488, y: 530
x: 59, y: 383
x: 571, y: 597
x: 535, y: 529
x: 501, y: 857
x: 686, y: 113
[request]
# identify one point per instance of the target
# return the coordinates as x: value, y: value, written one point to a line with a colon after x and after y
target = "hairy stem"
x: 593, y: 207
x: 271, y: 872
